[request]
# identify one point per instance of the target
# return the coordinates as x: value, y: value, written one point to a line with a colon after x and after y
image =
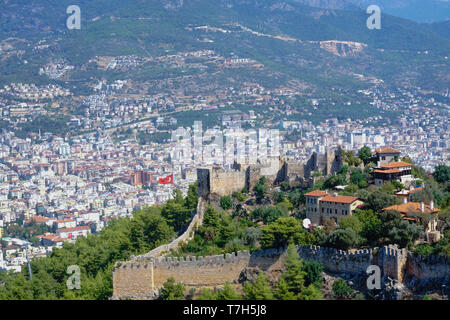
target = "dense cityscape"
x: 96, y: 120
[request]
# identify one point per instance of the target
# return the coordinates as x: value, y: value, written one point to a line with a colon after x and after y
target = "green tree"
x: 227, y: 293
x: 350, y: 158
x: 341, y: 290
x: 16, y: 287
x: 282, y: 292
x: 311, y: 292
x: 296, y: 197
x: 371, y: 225
x: 313, y: 270
x: 176, y: 214
x: 351, y: 222
x: 378, y: 200
x: 226, y: 202
x: 268, y: 214
x: 285, y: 205
x: 389, y: 220
x: 405, y: 233
x: 206, y: 294
x: 260, y: 189
x: 211, y: 217
x: 284, y: 186
x: 442, y: 173
x: 239, y: 196
x: 258, y: 289
x: 294, y: 274
x: 342, y: 239
x: 365, y: 153
x: 329, y: 226
x: 148, y: 229
x: 192, y: 197
x: 359, y: 178
x: 172, y: 290
x: 334, y: 181
x: 252, y: 236
x: 283, y: 231
x: 398, y: 185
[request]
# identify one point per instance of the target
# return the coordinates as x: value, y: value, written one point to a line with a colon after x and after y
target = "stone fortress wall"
x: 142, y: 277
x: 220, y: 182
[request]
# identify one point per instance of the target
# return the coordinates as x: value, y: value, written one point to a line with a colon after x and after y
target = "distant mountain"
x: 322, y: 48
x: 417, y: 10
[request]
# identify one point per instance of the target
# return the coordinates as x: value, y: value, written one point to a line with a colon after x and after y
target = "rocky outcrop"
x: 343, y: 48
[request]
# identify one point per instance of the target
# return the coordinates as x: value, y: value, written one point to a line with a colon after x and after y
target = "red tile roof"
x: 398, y: 164
x: 73, y: 229
x: 410, y: 207
x: 316, y: 193
x: 340, y: 199
x: 39, y: 219
x: 408, y: 192
x: 416, y: 189
x: 387, y: 171
x: 387, y: 150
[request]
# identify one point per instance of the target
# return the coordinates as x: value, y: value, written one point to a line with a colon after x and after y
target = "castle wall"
x: 338, y: 261
x: 392, y: 261
x: 225, y: 182
x: 133, y: 280
x: 143, y: 276
x: 427, y: 267
x: 294, y: 172
x: 203, y: 182
x: 272, y: 170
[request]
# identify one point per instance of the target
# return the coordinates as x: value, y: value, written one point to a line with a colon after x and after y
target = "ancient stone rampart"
x: 427, y: 267
x: 141, y: 277
x: 335, y: 260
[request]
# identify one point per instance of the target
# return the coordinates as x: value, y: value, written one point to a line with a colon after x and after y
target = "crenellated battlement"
x: 335, y: 254
x: 142, y: 276
x: 145, y: 261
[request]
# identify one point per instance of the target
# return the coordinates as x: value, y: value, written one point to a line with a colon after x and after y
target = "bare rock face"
x: 343, y: 48
x: 248, y: 274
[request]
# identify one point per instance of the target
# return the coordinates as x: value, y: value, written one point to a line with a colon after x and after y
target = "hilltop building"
x: 321, y: 206
x: 399, y: 171
x: 421, y: 213
x: 406, y: 195
x: 385, y: 155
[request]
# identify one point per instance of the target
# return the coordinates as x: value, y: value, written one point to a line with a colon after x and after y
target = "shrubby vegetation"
x: 96, y: 254
x: 299, y: 281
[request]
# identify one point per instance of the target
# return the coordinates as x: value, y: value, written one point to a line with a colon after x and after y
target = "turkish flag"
x: 166, y: 180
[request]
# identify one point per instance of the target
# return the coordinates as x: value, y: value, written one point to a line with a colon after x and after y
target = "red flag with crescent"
x: 166, y: 180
